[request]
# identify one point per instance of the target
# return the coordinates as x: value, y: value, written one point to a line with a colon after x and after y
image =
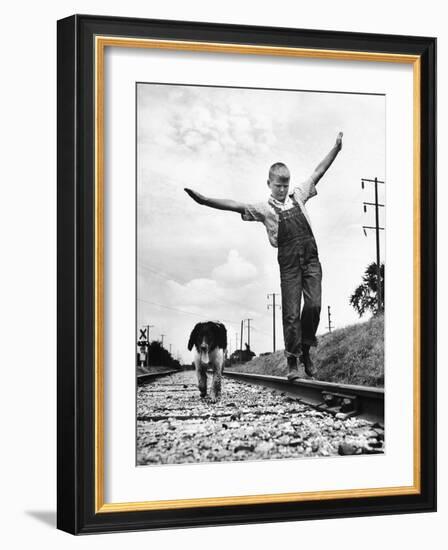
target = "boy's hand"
x: 339, y: 141
x: 325, y: 164
x: 195, y: 196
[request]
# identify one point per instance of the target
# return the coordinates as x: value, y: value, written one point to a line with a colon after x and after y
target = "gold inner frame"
x: 101, y: 42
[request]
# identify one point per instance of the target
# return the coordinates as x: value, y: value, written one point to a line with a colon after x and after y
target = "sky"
x: 197, y: 264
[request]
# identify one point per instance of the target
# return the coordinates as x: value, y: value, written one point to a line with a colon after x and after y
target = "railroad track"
x: 148, y: 377
x: 251, y: 422
x: 344, y: 400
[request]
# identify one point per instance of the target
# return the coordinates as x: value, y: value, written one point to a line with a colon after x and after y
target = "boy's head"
x: 278, y: 181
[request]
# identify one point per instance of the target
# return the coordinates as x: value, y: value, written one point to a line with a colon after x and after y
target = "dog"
x: 210, y: 342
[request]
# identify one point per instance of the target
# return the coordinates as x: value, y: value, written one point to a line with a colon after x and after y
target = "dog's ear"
x: 221, y: 335
x: 193, y: 336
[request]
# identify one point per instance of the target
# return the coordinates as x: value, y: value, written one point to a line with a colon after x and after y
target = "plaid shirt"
x: 267, y: 211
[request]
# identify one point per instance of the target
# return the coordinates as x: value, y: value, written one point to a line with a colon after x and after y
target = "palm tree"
x: 365, y: 296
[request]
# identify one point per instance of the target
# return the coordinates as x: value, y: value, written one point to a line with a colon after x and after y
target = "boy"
x: 289, y: 229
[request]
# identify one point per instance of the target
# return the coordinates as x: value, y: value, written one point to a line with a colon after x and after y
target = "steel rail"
x: 150, y: 376
x: 350, y: 400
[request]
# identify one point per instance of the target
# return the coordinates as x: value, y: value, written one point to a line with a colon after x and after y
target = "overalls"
x: 300, y: 272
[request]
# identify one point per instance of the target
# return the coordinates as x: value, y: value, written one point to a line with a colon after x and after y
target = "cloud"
x: 236, y: 271
x: 197, y: 292
x: 206, y: 122
x: 201, y: 296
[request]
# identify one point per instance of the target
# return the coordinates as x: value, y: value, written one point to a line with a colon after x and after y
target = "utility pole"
x: 147, y: 347
x: 162, y: 336
x: 273, y: 306
x: 241, y: 341
x: 236, y: 341
x: 170, y: 349
x: 248, y: 331
x: 329, y: 320
x: 377, y: 228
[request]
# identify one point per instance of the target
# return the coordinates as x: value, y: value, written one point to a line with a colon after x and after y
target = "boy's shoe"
x: 293, y: 374
x: 310, y: 369
x: 293, y: 370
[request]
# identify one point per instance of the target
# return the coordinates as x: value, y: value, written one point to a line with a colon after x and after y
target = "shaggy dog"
x: 210, y: 342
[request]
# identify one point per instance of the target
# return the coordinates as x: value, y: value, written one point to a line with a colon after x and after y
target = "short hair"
x: 279, y: 171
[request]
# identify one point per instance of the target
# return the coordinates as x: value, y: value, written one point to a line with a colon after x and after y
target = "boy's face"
x: 279, y: 186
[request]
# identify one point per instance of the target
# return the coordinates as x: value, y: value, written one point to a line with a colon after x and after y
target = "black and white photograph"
x: 261, y: 340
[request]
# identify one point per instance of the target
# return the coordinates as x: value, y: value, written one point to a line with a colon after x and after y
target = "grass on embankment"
x: 351, y: 355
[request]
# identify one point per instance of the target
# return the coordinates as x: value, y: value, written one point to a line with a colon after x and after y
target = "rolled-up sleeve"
x: 306, y: 189
x: 254, y: 212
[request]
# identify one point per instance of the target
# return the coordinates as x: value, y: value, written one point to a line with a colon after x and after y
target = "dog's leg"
x: 217, y: 361
x: 201, y: 371
x: 216, y: 386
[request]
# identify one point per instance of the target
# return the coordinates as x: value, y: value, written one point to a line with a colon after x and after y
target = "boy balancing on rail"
x: 289, y: 229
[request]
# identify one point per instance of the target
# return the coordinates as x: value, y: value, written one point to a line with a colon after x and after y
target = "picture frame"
x: 82, y: 42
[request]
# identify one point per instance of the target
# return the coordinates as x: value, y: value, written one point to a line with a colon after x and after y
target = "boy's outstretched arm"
x: 220, y: 204
x: 323, y: 166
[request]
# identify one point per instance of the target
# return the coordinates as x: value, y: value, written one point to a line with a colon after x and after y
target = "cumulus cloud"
x: 201, y: 295
x: 217, y: 128
x: 197, y: 292
x: 236, y: 270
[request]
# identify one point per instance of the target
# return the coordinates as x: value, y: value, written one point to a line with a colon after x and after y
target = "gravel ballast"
x: 176, y: 426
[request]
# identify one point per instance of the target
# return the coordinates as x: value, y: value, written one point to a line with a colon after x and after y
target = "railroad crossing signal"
x: 143, y: 345
x: 144, y: 333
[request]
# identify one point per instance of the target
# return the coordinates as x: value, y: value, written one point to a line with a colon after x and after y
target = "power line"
x: 342, y: 213
x: 253, y: 327
x: 166, y: 276
x: 183, y: 311
x: 232, y: 322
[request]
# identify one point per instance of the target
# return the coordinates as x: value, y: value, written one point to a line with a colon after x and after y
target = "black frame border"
x: 76, y: 261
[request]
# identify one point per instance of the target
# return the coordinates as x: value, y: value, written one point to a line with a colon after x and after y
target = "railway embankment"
x: 350, y: 355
